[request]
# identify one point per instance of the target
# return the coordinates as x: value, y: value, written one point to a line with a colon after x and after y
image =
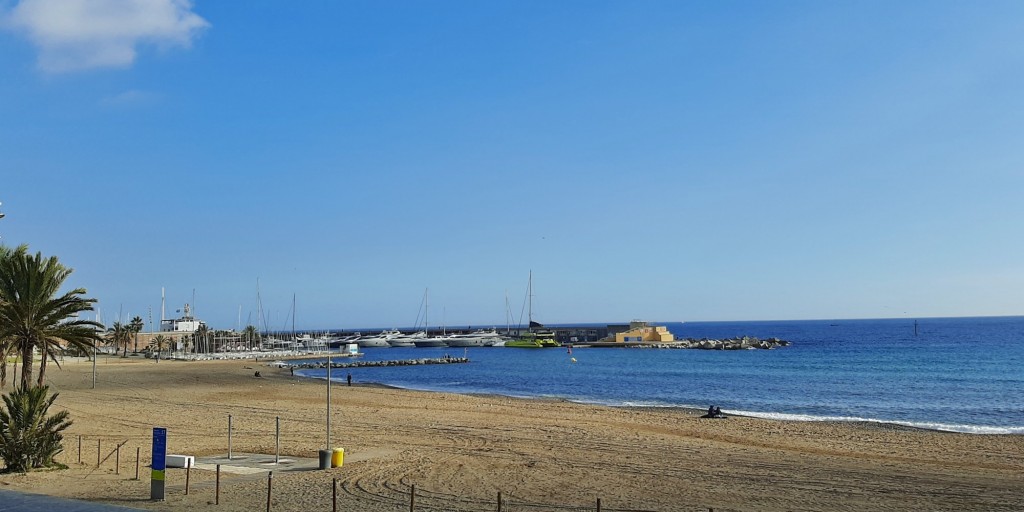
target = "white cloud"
x: 75, y: 35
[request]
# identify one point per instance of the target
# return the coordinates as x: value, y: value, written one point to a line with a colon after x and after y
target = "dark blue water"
x: 958, y: 374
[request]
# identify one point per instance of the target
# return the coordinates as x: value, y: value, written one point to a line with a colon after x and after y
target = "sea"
x: 950, y: 374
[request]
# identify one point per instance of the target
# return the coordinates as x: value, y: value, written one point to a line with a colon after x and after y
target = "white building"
x: 187, y: 323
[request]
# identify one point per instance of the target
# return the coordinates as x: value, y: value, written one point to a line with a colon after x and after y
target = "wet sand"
x: 461, y: 451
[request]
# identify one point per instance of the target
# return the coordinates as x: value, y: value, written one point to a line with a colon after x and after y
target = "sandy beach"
x: 461, y: 451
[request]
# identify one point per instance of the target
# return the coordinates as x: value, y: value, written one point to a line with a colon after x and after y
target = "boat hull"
x: 430, y: 343
x: 467, y: 343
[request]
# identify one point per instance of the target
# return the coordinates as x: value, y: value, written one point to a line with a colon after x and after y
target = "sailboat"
x: 538, y: 336
x: 429, y: 341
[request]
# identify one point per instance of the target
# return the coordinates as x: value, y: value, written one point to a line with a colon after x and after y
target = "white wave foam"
x: 946, y: 427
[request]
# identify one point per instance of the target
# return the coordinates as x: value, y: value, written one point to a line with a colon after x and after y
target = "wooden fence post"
x: 79, y: 449
x: 117, y: 460
x: 499, y: 501
x: 599, y: 505
x: 412, y: 498
x: 98, y: 441
x: 138, y: 451
x: 188, y: 475
x: 216, y: 496
x: 334, y: 495
x: 270, y: 484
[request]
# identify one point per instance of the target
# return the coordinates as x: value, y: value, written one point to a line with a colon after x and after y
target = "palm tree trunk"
x: 42, y: 371
x: 26, y: 364
x: 3, y: 372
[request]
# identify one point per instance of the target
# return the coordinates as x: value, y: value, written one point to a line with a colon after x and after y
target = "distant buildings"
x: 639, y: 331
x: 186, y: 324
x: 636, y: 331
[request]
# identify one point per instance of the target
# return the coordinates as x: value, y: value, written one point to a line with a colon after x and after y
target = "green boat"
x: 539, y: 338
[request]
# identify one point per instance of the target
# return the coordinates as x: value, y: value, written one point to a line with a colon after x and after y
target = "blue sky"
x: 658, y: 160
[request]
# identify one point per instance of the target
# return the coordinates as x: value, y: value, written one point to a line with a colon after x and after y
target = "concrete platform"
x: 253, y: 463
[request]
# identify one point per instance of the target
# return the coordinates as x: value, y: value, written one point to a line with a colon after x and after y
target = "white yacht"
x: 479, y: 338
x: 407, y: 340
x: 380, y: 340
x: 433, y: 341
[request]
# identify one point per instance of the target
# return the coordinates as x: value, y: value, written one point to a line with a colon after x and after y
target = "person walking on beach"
x: 349, y: 379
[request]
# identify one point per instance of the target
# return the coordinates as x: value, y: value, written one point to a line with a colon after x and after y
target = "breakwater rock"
x: 369, y: 364
x: 741, y: 343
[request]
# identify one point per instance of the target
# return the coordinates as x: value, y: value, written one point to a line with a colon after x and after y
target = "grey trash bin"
x: 325, y: 459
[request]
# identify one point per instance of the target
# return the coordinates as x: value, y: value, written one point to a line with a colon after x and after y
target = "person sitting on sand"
x: 717, y: 412
x: 257, y: 374
x: 711, y: 411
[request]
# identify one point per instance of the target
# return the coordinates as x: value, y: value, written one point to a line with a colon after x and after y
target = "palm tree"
x: 159, y: 342
x: 201, y: 334
x: 186, y: 343
x: 251, y: 335
x: 136, y: 326
x: 34, y: 317
x: 29, y: 436
x: 120, y: 335
x: 7, y: 347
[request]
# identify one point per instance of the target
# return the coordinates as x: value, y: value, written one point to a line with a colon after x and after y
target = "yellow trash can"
x: 338, y: 458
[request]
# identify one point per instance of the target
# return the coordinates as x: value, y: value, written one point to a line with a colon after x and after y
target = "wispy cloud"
x: 130, y: 98
x: 75, y: 35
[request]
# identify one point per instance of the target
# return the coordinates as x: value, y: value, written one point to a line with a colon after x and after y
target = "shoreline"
x: 461, y: 450
x: 980, y: 430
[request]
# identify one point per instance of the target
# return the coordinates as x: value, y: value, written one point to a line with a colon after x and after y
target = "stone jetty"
x: 368, y: 364
x: 741, y: 343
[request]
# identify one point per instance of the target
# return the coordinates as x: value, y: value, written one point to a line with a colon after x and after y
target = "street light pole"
x: 328, y: 447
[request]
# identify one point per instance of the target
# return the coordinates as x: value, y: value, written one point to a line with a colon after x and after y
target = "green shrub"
x: 29, y: 438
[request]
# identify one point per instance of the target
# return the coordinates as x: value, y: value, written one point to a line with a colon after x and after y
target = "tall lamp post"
x: 328, y: 447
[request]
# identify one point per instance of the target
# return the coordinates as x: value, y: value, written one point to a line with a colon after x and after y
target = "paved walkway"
x: 11, y: 501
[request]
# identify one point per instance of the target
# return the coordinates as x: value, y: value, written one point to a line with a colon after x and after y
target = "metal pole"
x: 499, y: 501
x: 270, y: 484
x: 98, y: 441
x: 94, y: 365
x: 138, y: 450
x: 79, y: 449
x: 117, y: 460
x: 216, y: 496
x: 334, y: 495
x: 599, y: 505
x: 188, y: 475
x: 328, y: 447
x: 277, y: 441
x: 412, y: 498
x: 229, y: 437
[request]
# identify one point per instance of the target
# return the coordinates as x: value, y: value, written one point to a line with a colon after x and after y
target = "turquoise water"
x: 957, y: 374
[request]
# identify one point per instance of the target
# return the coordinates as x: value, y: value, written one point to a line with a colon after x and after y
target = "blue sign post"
x: 156, y: 483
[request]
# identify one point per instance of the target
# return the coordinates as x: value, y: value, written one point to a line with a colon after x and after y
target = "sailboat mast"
x: 293, y: 316
x: 529, y: 298
x: 426, y: 308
